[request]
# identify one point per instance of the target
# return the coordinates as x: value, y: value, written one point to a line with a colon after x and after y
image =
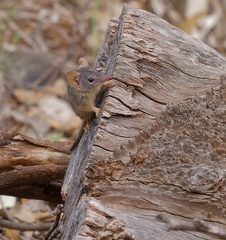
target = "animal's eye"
x: 90, y: 79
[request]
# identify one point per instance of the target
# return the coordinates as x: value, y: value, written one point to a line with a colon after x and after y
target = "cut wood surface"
x: 159, y: 146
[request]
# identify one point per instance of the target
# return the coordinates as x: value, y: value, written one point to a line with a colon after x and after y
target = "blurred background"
x: 42, y: 39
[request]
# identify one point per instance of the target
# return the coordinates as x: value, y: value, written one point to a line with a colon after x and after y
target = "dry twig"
x: 196, y: 225
x: 24, y: 226
x: 55, y: 229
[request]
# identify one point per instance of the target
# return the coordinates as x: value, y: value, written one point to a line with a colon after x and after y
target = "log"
x: 32, y: 168
x: 159, y: 146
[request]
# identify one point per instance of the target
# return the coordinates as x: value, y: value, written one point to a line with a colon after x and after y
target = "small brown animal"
x: 84, y: 85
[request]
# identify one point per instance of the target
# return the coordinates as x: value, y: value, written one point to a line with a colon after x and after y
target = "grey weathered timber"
x: 159, y: 146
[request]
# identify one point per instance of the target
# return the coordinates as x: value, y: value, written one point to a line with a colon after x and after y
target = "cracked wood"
x: 158, y: 67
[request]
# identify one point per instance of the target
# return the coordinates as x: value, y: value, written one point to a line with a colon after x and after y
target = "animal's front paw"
x: 97, y: 111
x: 109, y: 83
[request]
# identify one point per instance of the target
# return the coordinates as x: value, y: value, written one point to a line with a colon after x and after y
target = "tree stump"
x: 159, y: 146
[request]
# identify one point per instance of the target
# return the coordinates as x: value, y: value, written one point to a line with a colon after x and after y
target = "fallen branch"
x: 25, y: 226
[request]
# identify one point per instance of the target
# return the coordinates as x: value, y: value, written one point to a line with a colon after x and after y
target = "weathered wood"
x: 146, y: 156
x: 25, y: 154
x: 36, y: 182
x: 29, y: 171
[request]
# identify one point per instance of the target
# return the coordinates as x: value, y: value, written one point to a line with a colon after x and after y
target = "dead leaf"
x: 13, y: 234
x: 58, y: 113
x: 28, y: 97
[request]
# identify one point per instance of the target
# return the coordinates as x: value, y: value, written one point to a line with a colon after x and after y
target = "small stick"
x: 54, y: 230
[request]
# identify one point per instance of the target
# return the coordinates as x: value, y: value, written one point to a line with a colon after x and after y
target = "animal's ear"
x: 73, y: 78
x: 83, y: 62
x: 99, y: 69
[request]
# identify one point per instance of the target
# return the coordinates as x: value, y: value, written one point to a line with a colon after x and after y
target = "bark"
x: 30, y: 171
x: 160, y: 144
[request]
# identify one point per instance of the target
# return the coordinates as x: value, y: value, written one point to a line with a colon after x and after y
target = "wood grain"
x: 159, y: 146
